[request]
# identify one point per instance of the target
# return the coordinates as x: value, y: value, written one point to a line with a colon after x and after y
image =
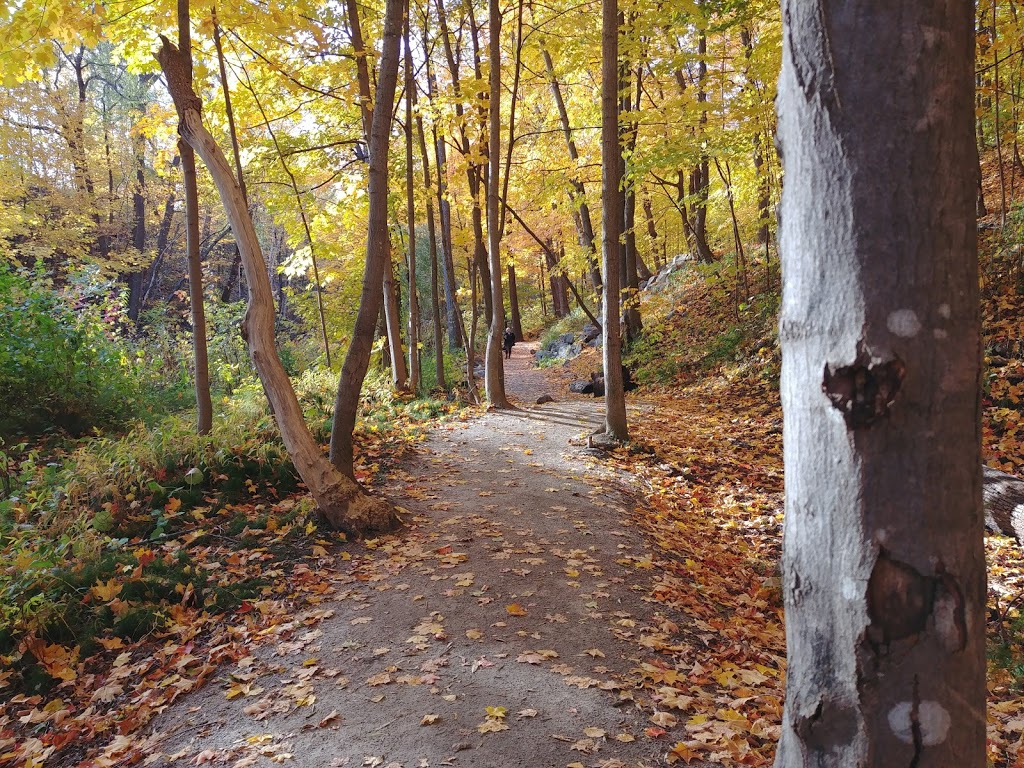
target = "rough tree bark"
x: 435, y: 261
x: 342, y: 502
x: 884, y: 570
x: 410, y: 210
x: 494, y: 366
x: 515, y: 317
x: 611, y: 201
x: 378, y: 246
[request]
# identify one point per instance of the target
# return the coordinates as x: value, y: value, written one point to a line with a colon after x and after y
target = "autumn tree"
x: 340, y: 498
x: 884, y: 570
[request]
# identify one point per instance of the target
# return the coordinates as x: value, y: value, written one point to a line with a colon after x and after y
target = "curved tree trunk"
x: 884, y: 568
x: 342, y: 502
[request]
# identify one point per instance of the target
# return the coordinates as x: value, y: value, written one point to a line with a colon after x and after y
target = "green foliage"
x: 66, y: 362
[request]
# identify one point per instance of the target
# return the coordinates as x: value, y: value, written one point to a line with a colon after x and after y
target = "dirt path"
x: 502, y: 626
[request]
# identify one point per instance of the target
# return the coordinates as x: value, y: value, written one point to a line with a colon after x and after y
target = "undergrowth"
x: 102, y: 539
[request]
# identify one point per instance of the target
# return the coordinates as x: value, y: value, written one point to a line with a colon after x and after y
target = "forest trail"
x: 502, y: 626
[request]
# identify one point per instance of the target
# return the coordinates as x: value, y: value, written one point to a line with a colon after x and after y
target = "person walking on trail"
x: 508, y: 341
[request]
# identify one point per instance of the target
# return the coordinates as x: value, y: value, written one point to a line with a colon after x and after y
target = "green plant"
x: 66, y: 361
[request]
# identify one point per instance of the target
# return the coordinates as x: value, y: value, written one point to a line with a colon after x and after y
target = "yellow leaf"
x: 106, y: 590
x: 681, y: 752
x: 515, y: 610
x: 474, y: 634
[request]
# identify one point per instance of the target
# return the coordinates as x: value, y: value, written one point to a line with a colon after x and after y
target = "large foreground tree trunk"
x: 884, y: 570
x: 342, y: 502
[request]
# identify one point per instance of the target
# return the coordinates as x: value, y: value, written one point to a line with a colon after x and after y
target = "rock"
x: 581, y: 387
x: 567, y: 338
x: 545, y: 399
x: 597, y: 382
x: 590, y: 332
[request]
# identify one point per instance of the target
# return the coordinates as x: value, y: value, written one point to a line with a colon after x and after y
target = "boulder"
x: 581, y: 387
x: 590, y: 332
x: 567, y: 338
x: 545, y: 399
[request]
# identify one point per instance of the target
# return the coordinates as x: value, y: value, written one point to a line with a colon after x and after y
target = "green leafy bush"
x: 63, y: 362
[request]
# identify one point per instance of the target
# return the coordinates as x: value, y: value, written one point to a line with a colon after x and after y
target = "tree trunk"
x: 515, y: 317
x: 494, y: 367
x: 629, y: 280
x: 236, y: 262
x: 611, y: 202
x: 559, y: 298
x: 410, y: 209
x: 341, y: 501
x: 162, y: 239
x: 473, y: 168
x: 136, y: 280
x: 700, y: 176
x: 204, y: 403
x: 378, y: 246
x: 456, y: 338
x: 652, y: 234
x: 884, y: 570
x: 393, y: 324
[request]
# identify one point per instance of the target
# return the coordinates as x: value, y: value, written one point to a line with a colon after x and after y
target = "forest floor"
x: 525, y: 615
x: 545, y: 604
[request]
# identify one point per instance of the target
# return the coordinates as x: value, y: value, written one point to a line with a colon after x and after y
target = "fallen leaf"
x: 586, y: 746
x: 330, y: 718
x: 430, y: 719
x: 515, y: 609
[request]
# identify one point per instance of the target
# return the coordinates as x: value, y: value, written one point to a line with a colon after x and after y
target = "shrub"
x: 64, y: 361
